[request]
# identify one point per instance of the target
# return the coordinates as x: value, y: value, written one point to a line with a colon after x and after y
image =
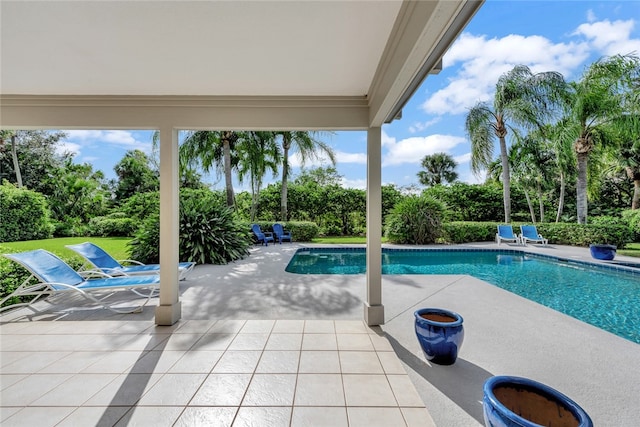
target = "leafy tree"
x: 308, y: 147
x: 257, y: 153
x: 439, y: 168
x: 11, y: 135
x: 521, y: 97
x: 135, y: 175
x: 595, y: 104
x: 36, y: 157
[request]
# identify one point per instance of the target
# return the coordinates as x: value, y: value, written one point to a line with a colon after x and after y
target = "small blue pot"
x: 603, y: 252
x: 521, y: 402
x: 440, y: 334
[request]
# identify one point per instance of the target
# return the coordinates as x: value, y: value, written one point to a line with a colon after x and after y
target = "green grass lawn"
x: 116, y: 246
x: 632, y: 249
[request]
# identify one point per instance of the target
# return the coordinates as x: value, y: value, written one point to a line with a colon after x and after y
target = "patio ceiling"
x: 361, y: 59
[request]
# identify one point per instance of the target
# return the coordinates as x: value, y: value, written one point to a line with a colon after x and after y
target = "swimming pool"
x: 606, y: 297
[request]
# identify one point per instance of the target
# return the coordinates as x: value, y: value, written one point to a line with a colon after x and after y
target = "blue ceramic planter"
x: 603, y: 252
x: 440, y: 334
x: 521, y: 402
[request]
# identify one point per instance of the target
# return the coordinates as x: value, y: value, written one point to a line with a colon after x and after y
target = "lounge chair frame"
x: 280, y: 233
x: 263, y: 237
x: 505, y: 234
x: 97, y: 258
x: 77, y: 283
x: 532, y: 235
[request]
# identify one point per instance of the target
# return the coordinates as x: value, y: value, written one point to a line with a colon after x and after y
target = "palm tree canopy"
x: 439, y: 168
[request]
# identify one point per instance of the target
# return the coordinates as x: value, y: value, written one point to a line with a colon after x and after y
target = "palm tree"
x: 212, y: 149
x: 595, y: 104
x: 439, y: 168
x: 258, y: 153
x: 309, y: 147
x: 521, y: 97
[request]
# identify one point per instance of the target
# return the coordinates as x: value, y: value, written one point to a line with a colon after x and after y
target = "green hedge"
x: 114, y: 225
x: 558, y: 233
x: 24, y: 214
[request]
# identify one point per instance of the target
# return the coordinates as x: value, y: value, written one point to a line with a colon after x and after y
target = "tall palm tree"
x: 258, y: 153
x: 439, y: 168
x: 526, y: 99
x: 213, y: 149
x: 595, y: 104
x: 308, y: 147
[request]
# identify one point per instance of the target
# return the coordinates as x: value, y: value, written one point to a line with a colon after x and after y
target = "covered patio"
x: 266, y: 65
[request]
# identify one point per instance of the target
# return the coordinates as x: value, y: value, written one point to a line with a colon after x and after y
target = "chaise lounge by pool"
x: 604, y: 296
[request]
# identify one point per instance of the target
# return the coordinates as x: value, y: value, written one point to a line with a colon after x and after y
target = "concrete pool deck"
x: 246, y: 304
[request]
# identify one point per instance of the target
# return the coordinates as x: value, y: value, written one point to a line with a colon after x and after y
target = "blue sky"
x: 563, y: 36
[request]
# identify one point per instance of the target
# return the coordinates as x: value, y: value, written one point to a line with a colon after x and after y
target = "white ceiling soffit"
x: 349, y: 48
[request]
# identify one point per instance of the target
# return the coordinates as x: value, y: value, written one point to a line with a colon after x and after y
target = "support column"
x: 170, y: 309
x: 373, y: 308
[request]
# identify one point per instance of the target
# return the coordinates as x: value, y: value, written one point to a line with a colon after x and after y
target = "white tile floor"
x: 203, y: 372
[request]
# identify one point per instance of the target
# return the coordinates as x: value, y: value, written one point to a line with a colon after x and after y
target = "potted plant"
x: 603, y: 251
x: 440, y: 334
x: 520, y: 402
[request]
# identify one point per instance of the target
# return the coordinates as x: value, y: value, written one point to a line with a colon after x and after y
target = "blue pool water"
x: 606, y: 298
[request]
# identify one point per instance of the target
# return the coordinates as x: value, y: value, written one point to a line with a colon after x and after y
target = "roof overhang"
x: 219, y: 64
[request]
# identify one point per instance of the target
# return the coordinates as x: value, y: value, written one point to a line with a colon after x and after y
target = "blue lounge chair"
x: 57, y: 277
x: 98, y: 259
x: 529, y: 233
x: 505, y: 234
x: 281, y: 234
x: 262, y: 237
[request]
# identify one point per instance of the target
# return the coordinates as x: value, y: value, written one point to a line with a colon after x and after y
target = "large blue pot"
x: 521, y: 402
x: 440, y: 334
x: 603, y: 252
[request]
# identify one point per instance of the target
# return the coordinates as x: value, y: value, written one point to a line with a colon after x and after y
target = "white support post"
x: 373, y: 308
x: 170, y: 309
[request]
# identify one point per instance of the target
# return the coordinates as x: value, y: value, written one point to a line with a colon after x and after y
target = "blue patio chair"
x: 262, y: 237
x: 529, y: 233
x: 98, y: 259
x: 57, y: 277
x: 281, y: 234
x: 505, y: 234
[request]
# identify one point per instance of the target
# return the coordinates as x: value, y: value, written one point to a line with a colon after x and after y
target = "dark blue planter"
x: 521, y: 402
x: 440, y: 334
x: 603, y: 252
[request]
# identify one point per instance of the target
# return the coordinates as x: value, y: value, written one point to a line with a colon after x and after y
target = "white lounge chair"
x: 57, y: 277
x: 529, y: 233
x: 505, y: 234
x: 99, y: 259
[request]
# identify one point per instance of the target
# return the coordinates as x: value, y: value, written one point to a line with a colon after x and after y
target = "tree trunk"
x: 635, y: 201
x: 540, y: 201
x: 561, y: 197
x: 505, y: 180
x: 286, y: 144
x: 226, y: 152
x: 531, y: 210
x: 581, y: 193
x: 16, y: 165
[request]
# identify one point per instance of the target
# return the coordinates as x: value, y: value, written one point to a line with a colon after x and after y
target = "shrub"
x: 586, y: 234
x: 209, y: 233
x: 632, y: 219
x: 115, y: 224
x: 415, y: 220
x: 463, y: 232
x: 140, y: 206
x: 71, y: 227
x: 25, y: 214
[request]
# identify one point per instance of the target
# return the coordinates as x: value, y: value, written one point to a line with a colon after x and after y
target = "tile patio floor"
x: 241, y: 355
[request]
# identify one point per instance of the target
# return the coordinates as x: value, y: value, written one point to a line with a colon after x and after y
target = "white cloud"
x: 463, y: 158
x: 360, y: 184
x: 412, y: 150
x: 591, y: 16
x: 420, y: 126
x: 120, y: 138
x: 610, y: 38
x: 341, y: 158
x: 64, y: 147
x: 483, y: 61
